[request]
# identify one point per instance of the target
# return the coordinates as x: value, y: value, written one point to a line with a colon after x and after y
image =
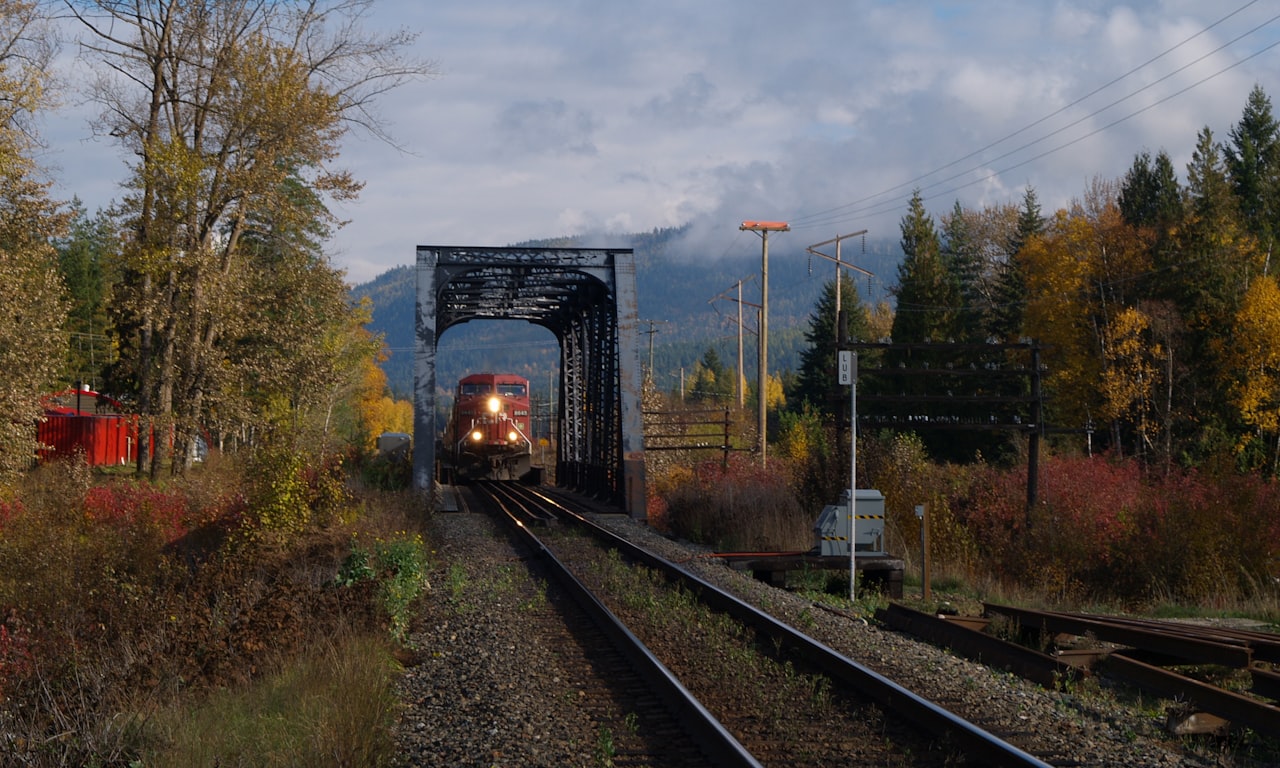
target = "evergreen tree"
x: 817, y: 383
x: 927, y: 292
x: 1206, y: 284
x: 1010, y: 292
x: 1217, y: 258
x: 1149, y: 194
x: 712, y: 379
x: 962, y: 256
x: 1253, y: 165
x: 86, y: 260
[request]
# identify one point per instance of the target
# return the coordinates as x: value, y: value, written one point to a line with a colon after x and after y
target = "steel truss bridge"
x: 586, y: 297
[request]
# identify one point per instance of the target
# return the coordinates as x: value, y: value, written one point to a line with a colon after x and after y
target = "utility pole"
x: 837, y: 239
x: 652, y: 330
x: 853, y: 384
x: 764, y: 228
x: 739, y: 389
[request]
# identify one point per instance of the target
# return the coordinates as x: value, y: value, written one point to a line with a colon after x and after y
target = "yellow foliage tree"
x: 1080, y: 274
x: 1255, y: 349
x: 1129, y: 372
x: 376, y: 410
x: 774, y: 395
x: 1057, y: 316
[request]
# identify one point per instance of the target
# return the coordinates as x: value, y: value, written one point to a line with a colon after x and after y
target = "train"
x: 488, y: 434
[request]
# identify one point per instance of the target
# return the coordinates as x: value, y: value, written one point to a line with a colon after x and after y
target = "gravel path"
x: 487, y: 687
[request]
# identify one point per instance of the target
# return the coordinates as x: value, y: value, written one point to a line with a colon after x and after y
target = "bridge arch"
x: 586, y: 297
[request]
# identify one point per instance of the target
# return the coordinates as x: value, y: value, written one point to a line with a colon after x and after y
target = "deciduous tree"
x: 33, y: 311
x: 1255, y: 347
x: 229, y: 109
x: 1129, y: 372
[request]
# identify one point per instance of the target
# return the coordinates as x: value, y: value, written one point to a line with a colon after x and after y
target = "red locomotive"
x: 488, y: 433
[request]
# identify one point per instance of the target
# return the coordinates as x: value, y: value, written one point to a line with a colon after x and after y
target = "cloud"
x: 686, y: 105
x: 546, y: 127
x: 553, y: 115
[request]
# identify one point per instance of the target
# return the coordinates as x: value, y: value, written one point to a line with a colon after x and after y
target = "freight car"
x: 487, y: 437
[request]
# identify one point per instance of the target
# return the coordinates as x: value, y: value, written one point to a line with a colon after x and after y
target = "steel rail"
x: 1264, y: 645
x: 1192, y: 649
x: 1228, y: 705
x: 1048, y: 671
x: 720, y: 746
x: 976, y: 743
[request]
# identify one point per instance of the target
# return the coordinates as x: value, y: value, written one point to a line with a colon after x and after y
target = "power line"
x: 852, y: 209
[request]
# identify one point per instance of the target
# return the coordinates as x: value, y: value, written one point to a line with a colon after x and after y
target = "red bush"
x: 1101, y: 529
x: 132, y: 505
x: 738, y: 506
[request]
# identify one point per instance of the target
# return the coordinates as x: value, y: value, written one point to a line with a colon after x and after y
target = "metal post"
x: 848, y: 375
x: 927, y: 592
x: 853, y: 476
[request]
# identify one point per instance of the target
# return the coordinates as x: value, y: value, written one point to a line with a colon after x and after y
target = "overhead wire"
x: 851, y: 210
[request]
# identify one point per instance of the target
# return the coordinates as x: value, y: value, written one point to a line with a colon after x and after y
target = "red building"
x: 81, y: 420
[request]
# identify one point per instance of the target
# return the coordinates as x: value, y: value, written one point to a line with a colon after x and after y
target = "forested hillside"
x: 687, y: 300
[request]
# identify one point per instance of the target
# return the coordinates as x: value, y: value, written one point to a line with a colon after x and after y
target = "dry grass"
x: 738, y: 508
x: 333, y: 705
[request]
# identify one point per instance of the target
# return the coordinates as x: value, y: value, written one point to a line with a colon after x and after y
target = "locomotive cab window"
x: 469, y: 390
x: 511, y: 390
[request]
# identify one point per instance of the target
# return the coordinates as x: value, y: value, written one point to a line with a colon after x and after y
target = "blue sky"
x: 554, y: 117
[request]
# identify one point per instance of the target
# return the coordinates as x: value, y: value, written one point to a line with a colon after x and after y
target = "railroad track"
x: 783, y: 698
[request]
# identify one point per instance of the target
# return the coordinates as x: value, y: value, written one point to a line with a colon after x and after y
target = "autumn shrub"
x: 325, y: 478
x: 7, y: 510
x: 661, y: 482
x: 896, y: 464
x: 79, y: 580
x: 1105, y: 530
x: 384, y: 471
x: 739, y: 507
x: 819, y: 465
x: 117, y: 595
x: 1207, y: 540
x: 278, y: 493
x: 290, y: 489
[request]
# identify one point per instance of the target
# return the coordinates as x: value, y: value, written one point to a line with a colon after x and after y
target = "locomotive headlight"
x: 511, y: 436
x: 477, y: 435
x: 495, y: 405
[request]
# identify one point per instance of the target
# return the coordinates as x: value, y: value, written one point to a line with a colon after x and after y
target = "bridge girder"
x: 586, y: 297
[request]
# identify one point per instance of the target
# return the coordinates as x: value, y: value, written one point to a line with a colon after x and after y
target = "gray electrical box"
x: 394, y: 443
x: 832, y: 528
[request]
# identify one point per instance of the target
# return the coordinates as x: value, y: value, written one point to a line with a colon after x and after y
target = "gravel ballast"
x: 486, y: 689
